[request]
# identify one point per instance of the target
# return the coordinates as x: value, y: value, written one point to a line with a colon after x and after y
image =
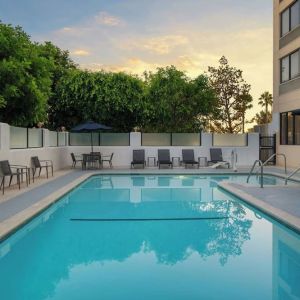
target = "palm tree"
x: 266, y: 100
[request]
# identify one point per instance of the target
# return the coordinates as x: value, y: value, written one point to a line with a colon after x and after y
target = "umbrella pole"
x: 92, y: 142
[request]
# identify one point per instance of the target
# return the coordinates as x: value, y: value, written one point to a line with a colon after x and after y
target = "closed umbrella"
x: 91, y: 127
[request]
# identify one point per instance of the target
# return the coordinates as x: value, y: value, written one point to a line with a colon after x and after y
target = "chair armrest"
x: 19, y: 166
x: 48, y: 162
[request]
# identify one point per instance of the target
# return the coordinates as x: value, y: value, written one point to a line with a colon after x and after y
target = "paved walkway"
x: 281, y: 197
x: 25, y: 199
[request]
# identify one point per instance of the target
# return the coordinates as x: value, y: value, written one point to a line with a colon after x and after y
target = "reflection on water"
x: 56, y: 258
x: 286, y: 265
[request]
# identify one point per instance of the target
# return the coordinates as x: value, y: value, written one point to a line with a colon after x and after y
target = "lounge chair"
x: 108, y: 159
x: 164, y: 158
x: 216, y: 158
x: 75, y: 160
x: 6, y: 170
x: 138, y: 158
x: 188, y: 158
x: 41, y: 164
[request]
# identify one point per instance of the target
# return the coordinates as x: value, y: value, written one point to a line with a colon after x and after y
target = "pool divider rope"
x: 146, y: 219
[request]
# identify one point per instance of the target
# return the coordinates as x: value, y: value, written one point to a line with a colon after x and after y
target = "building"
x: 286, y: 86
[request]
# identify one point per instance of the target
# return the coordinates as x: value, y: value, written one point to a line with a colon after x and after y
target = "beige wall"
x: 292, y: 156
x: 290, y: 100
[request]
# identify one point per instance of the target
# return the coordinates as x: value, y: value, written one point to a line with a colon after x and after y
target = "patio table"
x: 90, y: 161
x: 23, y: 170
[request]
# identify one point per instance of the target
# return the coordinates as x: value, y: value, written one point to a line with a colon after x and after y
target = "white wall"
x: 122, y: 154
x: 59, y: 155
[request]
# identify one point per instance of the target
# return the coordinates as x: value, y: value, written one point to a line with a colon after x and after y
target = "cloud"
x: 159, y: 45
x: 80, y: 52
x: 106, y: 19
x: 191, y: 47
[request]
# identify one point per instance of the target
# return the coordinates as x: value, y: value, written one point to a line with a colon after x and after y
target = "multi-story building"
x: 287, y: 78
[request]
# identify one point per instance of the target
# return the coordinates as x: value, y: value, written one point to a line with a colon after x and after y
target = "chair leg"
x: 2, y: 184
x: 11, y: 177
x: 40, y: 172
x: 52, y: 170
x: 33, y: 174
x: 18, y: 180
x: 47, y: 172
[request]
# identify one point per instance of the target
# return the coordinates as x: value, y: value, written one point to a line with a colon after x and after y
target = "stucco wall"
x: 122, y: 155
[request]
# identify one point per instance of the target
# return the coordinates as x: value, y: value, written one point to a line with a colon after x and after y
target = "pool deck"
x: 19, y: 206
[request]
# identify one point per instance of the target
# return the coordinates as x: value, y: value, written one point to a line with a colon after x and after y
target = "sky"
x: 138, y: 35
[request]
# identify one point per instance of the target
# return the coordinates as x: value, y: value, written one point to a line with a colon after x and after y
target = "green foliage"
x: 25, y: 78
x: 262, y: 118
x: 61, y: 63
x: 266, y: 101
x: 114, y: 99
x: 40, y: 83
x: 233, y: 97
x: 174, y: 103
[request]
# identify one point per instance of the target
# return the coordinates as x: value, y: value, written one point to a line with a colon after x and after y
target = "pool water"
x: 151, y: 237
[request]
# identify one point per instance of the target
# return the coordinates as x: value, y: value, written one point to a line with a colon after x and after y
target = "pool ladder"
x: 291, y: 175
x: 261, y: 170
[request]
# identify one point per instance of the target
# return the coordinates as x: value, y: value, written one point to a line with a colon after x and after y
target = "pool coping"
x: 278, y: 214
x: 12, y: 224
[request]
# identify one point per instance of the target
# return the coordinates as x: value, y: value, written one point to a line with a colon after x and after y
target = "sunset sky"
x: 139, y: 35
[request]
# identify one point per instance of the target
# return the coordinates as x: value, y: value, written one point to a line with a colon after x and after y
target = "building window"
x: 295, y: 64
x: 290, y: 128
x: 290, y: 66
x: 290, y: 18
x: 283, y: 129
x: 285, y: 22
x: 295, y: 14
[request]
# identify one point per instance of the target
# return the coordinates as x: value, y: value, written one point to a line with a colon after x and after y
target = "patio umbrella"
x: 91, y: 127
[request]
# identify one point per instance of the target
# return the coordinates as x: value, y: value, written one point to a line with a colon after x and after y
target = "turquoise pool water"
x: 151, y: 237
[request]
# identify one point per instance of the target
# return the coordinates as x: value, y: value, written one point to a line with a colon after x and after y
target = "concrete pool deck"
x: 17, y: 207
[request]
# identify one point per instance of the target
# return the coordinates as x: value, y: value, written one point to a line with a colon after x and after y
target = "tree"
x: 121, y: 101
x: 266, y: 101
x: 115, y: 99
x: 244, y: 103
x: 61, y: 63
x: 174, y: 103
x: 25, y: 78
x: 262, y: 118
x: 233, y: 97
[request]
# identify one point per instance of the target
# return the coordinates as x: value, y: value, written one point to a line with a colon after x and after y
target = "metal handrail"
x: 275, y: 155
x: 291, y: 175
x: 261, y: 172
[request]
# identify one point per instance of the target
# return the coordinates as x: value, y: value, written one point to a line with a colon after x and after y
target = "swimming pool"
x: 151, y: 237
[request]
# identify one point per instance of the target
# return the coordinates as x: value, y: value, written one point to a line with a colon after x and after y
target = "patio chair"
x: 41, y: 164
x: 188, y: 157
x: 75, y: 159
x: 108, y: 159
x: 138, y: 158
x: 97, y: 158
x: 216, y: 158
x: 6, y: 171
x: 164, y: 158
